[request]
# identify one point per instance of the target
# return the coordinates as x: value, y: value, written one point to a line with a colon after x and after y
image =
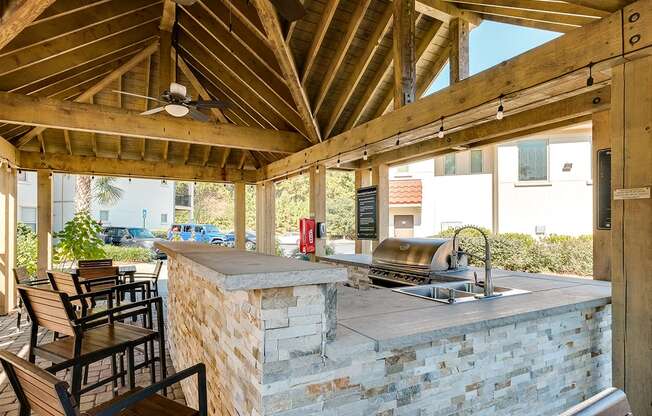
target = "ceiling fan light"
x: 177, y: 89
x: 176, y: 110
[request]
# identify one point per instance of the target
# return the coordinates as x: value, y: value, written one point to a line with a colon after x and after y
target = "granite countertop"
x: 232, y: 269
x: 362, y: 260
x: 382, y: 319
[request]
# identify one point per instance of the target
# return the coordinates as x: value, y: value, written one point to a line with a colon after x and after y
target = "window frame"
x: 108, y: 215
x: 471, y: 153
x: 454, y: 158
x: 533, y: 182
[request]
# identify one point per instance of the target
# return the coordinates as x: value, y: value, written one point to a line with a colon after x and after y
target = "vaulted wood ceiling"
x: 319, y: 76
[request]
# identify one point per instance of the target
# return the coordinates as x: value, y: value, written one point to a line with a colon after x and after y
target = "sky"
x: 491, y: 43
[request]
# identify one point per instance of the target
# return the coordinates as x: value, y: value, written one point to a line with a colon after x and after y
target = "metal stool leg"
x: 130, y: 367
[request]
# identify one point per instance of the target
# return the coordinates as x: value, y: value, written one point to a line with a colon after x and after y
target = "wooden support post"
x: 165, y: 61
x: 405, y: 69
x: 362, y: 180
x: 459, y: 51
x: 240, y: 215
x: 8, y: 224
x: 44, y: 221
x: 380, y: 179
x: 495, y: 192
x: 601, y: 141
x: 631, y: 233
x: 266, y: 217
x: 318, y: 204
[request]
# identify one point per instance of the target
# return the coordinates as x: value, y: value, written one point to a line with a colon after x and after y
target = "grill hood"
x: 413, y: 255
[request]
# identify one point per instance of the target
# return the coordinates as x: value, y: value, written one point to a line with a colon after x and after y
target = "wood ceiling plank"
x: 46, y: 112
x: 18, y: 14
x: 270, y: 22
x: 433, y: 71
x: 318, y: 38
x: 225, y: 157
x: 203, y: 94
x: 382, y: 28
x: 340, y: 53
x: 535, y: 24
x: 247, y: 13
x: 606, y: 5
x: 562, y: 19
x: 444, y: 11
x: 542, y: 6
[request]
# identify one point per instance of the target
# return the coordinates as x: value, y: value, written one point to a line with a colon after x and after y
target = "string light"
x: 589, y: 80
x: 365, y: 155
x: 398, y: 138
x: 317, y: 169
x: 501, y: 110
x: 441, y: 129
x: 339, y: 163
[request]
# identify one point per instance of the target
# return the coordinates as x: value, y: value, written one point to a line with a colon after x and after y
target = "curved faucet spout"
x: 488, y: 280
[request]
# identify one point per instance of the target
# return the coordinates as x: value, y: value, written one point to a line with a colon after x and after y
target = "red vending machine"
x: 307, y: 235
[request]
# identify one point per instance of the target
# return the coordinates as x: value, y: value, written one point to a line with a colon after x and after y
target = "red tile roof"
x: 405, y: 192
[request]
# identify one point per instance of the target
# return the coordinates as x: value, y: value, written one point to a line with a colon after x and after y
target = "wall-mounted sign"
x: 632, y: 193
x: 366, y: 207
x: 604, y: 190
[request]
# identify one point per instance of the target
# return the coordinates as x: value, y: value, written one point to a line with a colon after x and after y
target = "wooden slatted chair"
x: 88, y: 339
x: 94, y: 263
x: 42, y: 393
x: 22, y: 277
x: 153, y: 277
x: 108, y: 275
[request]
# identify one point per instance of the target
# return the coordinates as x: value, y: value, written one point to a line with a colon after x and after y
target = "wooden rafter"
x: 247, y: 13
x: 382, y: 28
x: 537, y: 16
x: 604, y: 5
x: 318, y: 38
x: 216, y: 112
x: 225, y: 157
x: 165, y: 35
x: 433, y: 71
x: 19, y: 14
x: 46, y: 112
x: 404, y: 52
x: 269, y: 19
x: 535, y: 24
x: 99, y: 86
x: 555, y: 7
x: 342, y: 48
x: 444, y: 11
x: 458, y: 33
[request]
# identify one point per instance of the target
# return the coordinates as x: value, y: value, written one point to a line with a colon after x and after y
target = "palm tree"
x: 102, y: 190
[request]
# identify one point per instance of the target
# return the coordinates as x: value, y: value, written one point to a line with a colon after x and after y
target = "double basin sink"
x: 456, y: 292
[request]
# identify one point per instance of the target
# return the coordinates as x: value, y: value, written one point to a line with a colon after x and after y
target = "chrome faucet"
x: 488, y: 285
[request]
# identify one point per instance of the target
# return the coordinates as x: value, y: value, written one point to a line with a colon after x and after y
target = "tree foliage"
x: 79, y: 240
x: 26, y: 249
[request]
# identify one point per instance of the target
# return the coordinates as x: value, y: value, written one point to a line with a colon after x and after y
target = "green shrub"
x: 26, y: 249
x: 128, y: 254
x: 79, y: 240
x: 163, y: 234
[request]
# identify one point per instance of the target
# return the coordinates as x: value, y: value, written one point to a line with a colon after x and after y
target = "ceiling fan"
x: 176, y: 102
x: 291, y: 10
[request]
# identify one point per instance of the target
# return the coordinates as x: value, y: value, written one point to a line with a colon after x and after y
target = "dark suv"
x: 131, y: 237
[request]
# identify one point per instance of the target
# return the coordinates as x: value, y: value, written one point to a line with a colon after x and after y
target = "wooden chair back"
x: 49, y: 309
x: 94, y: 263
x: 157, y: 268
x: 67, y: 283
x: 21, y: 274
x: 35, y: 388
x: 98, y: 272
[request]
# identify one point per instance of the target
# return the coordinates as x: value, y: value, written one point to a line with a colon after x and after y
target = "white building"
x: 542, y: 183
x: 145, y: 202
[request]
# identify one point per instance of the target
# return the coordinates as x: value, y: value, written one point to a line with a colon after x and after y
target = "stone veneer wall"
x: 533, y: 367
x: 235, y: 333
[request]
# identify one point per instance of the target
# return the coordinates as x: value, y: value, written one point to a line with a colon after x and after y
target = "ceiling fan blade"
x: 209, y: 104
x: 291, y: 10
x: 138, y: 95
x: 198, y: 115
x: 152, y: 111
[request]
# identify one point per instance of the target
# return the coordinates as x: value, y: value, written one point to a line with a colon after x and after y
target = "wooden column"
x: 362, y: 180
x: 266, y: 217
x: 495, y: 191
x: 601, y: 140
x: 240, y: 214
x: 380, y: 178
x: 459, y: 50
x: 405, y: 70
x: 631, y: 233
x: 318, y: 204
x: 44, y: 221
x: 8, y: 224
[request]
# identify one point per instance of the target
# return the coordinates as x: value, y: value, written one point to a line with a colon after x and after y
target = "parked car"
x: 250, y: 240
x: 131, y: 237
x: 289, y: 239
x: 204, y: 233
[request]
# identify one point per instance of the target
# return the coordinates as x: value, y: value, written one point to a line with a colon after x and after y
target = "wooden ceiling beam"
x: 8, y: 151
x: 562, y: 19
x: 166, y: 27
x: 458, y: 33
x: 382, y: 28
x: 338, y: 57
x: 225, y: 157
x: 567, y: 109
x: 203, y: 94
x: 46, y: 112
x: 444, y: 11
x: 535, y: 24
x: 531, y: 71
x: 433, y: 71
x: 605, y: 5
x: 404, y: 51
x: 318, y: 38
x: 556, y: 7
x: 89, y: 165
x: 17, y: 15
x: 248, y: 14
x: 269, y: 18
x: 99, y: 86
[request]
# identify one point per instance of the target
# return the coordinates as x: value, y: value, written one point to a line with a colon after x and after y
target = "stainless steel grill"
x: 410, y: 261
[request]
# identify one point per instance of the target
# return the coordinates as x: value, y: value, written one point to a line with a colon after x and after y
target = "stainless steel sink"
x: 456, y: 292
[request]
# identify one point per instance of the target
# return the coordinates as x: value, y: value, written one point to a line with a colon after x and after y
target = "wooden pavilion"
x: 342, y: 87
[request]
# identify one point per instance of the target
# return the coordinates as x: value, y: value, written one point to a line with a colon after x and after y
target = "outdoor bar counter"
x: 288, y: 337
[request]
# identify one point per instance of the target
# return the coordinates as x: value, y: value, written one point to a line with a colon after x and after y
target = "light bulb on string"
x: 441, y: 129
x: 501, y: 110
x: 339, y: 163
x: 589, y: 80
x: 365, y: 155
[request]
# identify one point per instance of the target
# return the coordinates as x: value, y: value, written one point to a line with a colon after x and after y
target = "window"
x: 164, y: 218
x: 28, y: 217
x: 104, y: 215
x: 449, y: 164
x: 533, y: 160
x: 22, y: 176
x: 476, y: 161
